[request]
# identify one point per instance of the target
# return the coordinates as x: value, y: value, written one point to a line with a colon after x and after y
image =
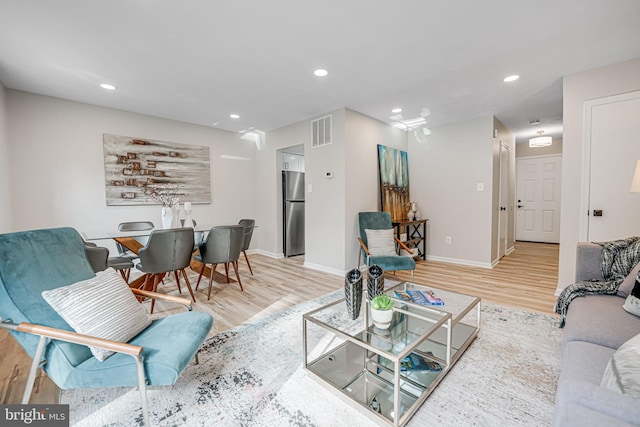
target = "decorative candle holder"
x: 353, y: 292
x: 375, y: 281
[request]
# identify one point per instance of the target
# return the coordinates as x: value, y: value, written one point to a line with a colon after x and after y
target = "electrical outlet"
x: 447, y: 240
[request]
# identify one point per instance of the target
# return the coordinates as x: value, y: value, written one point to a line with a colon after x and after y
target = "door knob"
x: 520, y: 206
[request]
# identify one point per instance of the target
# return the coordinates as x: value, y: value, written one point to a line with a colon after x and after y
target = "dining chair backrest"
x: 135, y: 226
x: 223, y: 244
x: 167, y: 250
x: 248, y: 225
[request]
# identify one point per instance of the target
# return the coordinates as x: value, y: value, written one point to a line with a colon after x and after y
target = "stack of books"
x: 419, y: 297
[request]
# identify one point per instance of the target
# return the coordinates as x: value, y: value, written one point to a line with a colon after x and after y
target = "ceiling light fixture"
x: 396, y: 110
x: 234, y: 116
x: 320, y: 72
x: 511, y: 78
x: 540, y: 141
x: 107, y: 86
x: 414, y: 123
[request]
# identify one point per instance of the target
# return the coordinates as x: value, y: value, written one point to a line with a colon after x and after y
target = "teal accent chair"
x: 382, y: 221
x: 38, y: 260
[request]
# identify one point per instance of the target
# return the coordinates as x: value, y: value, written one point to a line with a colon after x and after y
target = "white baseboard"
x: 511, y: 249
x: 324, y: 269
x: 460, y: 261
x: 266, y: 253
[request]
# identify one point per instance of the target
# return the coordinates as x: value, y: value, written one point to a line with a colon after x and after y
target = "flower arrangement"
x: 168, y: 195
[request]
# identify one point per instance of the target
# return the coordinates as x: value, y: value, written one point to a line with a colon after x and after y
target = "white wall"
x: 578, y: 88
x: 362, y: 136
x: 443, y: 174
x: 324, y: 206
x: 5, y: 184
x: 57, y: 167
x: 331, y: 209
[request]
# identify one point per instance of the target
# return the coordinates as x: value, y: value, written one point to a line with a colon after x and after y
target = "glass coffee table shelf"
x: 369, y: 365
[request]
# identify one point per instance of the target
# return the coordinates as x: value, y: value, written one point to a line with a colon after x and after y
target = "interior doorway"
x: 291, y: 167
x: 503, y: 217
x: 611, y: 151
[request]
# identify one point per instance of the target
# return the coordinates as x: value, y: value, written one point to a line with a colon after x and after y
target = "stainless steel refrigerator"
x: 293, y: 212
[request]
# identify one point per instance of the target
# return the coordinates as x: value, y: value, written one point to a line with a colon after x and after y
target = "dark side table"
x: 416, y: 231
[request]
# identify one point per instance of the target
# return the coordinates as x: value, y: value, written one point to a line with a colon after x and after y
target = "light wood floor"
x: 526, y: 278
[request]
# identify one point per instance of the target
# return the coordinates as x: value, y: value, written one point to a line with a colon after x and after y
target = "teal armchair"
x: 39, y: 260
x: 391, y: 260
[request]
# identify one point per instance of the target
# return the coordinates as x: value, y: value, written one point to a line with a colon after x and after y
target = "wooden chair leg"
x: 235, y: 267
x: 200, y: 275
x: 124, y: 276
x: 156, y: 280
x: 186, y: 279
x: 226, y: 270
x: 248, y: 263
x: 213, y: 270
x: 146, y: 285
x: 177, y: 280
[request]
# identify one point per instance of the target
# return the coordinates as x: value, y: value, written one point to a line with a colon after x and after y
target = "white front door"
x: 614, y: 137
x: 538, y: 198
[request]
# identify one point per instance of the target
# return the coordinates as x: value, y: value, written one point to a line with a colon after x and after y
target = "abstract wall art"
x: 394, y: 181
x: 136, y: 169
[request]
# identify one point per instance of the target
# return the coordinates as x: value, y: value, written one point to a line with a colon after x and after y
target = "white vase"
x: 410, y: 215
x: 382, y: 318
x: 175, y: 219
x: 167, y: 217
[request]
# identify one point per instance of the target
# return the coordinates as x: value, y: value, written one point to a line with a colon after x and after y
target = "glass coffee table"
x: 389, y: 373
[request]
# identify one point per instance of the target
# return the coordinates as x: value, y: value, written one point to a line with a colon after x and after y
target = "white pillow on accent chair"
x: 381, y: 242
x: 103, y: 307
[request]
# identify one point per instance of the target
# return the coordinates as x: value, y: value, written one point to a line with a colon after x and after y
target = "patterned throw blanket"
x: 618, y: 259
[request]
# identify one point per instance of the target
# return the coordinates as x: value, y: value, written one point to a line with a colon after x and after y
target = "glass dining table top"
x: 115, y: 234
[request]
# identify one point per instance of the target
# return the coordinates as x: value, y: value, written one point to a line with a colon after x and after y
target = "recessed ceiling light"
x: 511, y: 78
x: 320, y: 72
x: 397, y: 110
x: 234, y: 116
x: 107, y: 86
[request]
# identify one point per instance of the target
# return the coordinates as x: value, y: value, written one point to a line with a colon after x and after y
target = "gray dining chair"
x: 248, y: 225
x: 166, y: 251
x: 134, y: 226
x: 100, y: 260
x: 222, y: 246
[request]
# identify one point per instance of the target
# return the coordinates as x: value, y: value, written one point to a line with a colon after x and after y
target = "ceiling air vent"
x: 321, y: 131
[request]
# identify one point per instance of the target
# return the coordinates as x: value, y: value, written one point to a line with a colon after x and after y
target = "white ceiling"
x: 198, y: 61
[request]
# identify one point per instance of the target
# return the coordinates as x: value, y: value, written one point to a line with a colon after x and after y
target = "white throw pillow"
x: 629, y: 282
x: 623, y: 371
x: 632, y: 303
x: 103, y: 307
x: 381, y: 242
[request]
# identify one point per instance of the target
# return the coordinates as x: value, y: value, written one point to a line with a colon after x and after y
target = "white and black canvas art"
x: 136, y: 169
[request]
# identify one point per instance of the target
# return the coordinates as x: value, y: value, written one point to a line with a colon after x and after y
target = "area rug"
x: 252, y: 375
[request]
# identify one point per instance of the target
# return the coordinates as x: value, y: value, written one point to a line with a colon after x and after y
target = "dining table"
x: 131, y: 241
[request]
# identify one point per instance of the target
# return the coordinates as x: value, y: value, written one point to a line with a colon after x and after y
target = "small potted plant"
x: 381, y: 311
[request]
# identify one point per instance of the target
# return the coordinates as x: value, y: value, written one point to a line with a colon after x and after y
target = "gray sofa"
x: 596, y: 325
